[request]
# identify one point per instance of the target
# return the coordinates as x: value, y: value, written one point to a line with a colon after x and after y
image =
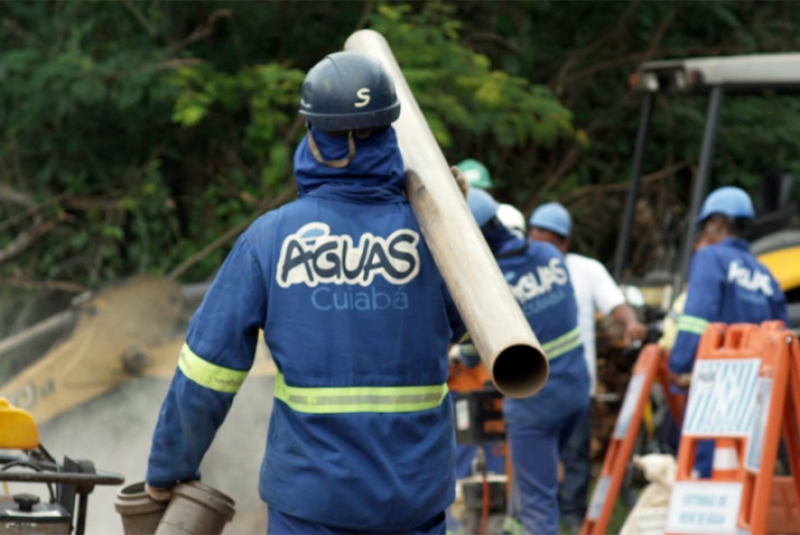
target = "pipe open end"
x: 520, y: 371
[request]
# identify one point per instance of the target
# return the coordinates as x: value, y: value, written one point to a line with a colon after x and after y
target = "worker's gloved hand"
x: 159, y: 495
x: 634, y: 331
x: 461, y: 180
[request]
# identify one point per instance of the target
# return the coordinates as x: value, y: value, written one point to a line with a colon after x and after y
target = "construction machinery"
x: 25, y: 461
x: 93, y: 377
x: 778, y: 247
x: 774, y: 238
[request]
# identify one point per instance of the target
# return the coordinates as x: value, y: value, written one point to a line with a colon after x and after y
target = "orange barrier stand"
x: 623, y: 440
x: 738, y: 398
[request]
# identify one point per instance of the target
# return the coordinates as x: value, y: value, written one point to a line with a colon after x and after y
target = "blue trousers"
x: 574, y: 492
x: 533, y: 506
x: 282, y: 524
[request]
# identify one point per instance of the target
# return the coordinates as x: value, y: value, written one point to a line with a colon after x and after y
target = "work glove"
x: 159, y: 495
x: 461, y: 180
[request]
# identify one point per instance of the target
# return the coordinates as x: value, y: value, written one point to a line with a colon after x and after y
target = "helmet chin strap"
x: 335, y: 164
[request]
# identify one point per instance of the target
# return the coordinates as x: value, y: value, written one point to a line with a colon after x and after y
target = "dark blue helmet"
x: 348, y: 91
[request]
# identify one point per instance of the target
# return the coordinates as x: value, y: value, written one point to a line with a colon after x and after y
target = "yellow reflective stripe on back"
x: 209, y: 375
x: 348, y: 399
x: 692, y: 324
x: 563, y: 344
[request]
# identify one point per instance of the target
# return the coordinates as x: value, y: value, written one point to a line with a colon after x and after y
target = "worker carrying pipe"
x: 726, y: 285
x: 537, y: 427
x: 358, y: 320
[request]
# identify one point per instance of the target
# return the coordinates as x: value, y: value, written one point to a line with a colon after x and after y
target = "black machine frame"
x: 756, y: 74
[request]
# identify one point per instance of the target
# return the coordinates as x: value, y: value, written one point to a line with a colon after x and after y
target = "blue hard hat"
x: 553, y: 217
x: 348, y: 91
x: 482, y: 205
x: 729, y: 201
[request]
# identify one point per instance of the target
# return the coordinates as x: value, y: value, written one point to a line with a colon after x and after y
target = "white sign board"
x: 704, y: 508
x: 599, y: 497
x: 629, y: 405
x: 721, y: 398
x: 755, y: 443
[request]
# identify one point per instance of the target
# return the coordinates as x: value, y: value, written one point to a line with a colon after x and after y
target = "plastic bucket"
x: 140, y: 513
x: 196, y: 509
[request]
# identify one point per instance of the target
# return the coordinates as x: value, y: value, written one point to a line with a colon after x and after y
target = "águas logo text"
x: 313, y: 255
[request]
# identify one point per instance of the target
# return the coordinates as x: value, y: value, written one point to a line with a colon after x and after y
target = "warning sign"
x: 755, y: 443
x: 599, y: 497
x: 629, y: 405
x: 704, y: 507
x: 721, y: 398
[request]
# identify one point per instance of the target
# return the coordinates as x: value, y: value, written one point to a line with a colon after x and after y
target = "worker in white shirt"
x: 595, y: 289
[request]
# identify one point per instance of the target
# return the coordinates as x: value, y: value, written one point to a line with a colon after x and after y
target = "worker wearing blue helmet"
x: 726, y: 284
x: 595, y: 290
x: 358, y: 320
x: 538, y: 426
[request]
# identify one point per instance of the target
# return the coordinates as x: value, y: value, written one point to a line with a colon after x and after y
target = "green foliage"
x: 457, y: 88
x: 137, y: 133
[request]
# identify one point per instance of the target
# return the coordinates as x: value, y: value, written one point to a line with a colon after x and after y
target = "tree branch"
x: 203, y: 31
x: 596, y: 189
x: 15, y: 28
x: 137, y: 13
x: 32, y: 211
x: 9, y: 194
x: 178, y: 63
x: 284, y: 195
x: 63, y: 286
x: 489, y: 37
x: 24, y: 240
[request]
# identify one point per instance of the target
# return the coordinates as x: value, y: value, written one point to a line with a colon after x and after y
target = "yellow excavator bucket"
x: 18, y: 429
x: 784, y: 265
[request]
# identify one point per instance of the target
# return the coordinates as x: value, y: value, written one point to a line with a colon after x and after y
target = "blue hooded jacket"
x: 539, y: 280
x: 357, y: 319
x: 728, y: 285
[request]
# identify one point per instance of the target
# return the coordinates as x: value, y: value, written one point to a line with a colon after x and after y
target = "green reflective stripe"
x: 563, y: 344
x: 337, y: 400
x: 209, y: 375
x: 692, y: 324
x: 469, y: 350
x: 512, y: 526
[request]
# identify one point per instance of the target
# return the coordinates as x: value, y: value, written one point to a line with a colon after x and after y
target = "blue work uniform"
x: 357, y: 318
x: 729, y: 285
x: 537, y: 427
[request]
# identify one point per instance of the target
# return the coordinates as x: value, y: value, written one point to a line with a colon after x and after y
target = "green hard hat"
x: 476, y: 173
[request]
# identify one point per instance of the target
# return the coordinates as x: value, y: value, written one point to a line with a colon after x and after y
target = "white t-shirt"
x: 594, y: 289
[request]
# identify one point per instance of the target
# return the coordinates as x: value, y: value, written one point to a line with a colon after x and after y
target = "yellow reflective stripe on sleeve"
x: 563, y: 344
x: 209, y: 375
x: 348, y: 399
x: 692, y: 324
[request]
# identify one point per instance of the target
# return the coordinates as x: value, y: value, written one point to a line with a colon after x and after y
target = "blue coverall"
x: 357, y: 318
x: 727, y: 284
x: 537, y: 427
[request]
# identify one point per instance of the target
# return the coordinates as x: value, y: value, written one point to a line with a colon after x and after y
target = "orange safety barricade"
x: 675, y: 402
x: 623, y: 440
x: 738, y: 398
